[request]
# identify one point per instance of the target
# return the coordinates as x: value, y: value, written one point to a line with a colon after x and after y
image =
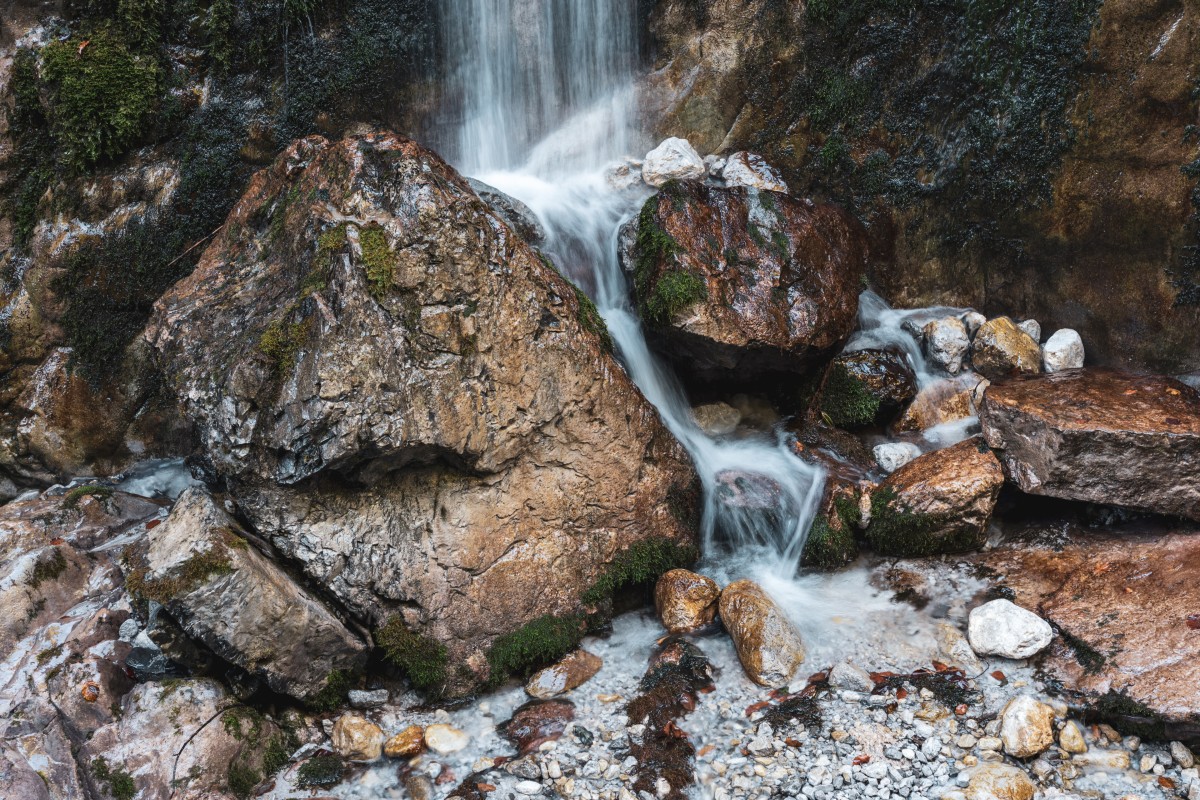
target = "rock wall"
x: 1036, y: 159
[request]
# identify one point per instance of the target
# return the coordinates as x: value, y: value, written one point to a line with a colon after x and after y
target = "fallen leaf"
x: 1101, y: 568
x: 901, y: 693
x: 152, y: 524
x: 57, y: 540
x: 818, y: 677
x: 940, y: 667
x: 1128, y: 590
x: 881, y: 677
x: 84, y: 44
x: 751, y: 710
x: 1000, y: 676
x: 707, y: 689
x: 790, y: 742
x: 860, y: 760
x: 1193, y: 622
x: 703, y: 751
x: 485, y: 787
x: 1166, y: 782
x: 890, y: 708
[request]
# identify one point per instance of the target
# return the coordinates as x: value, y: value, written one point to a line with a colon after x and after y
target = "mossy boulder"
x: 742, y: 282
x: 864, y: 387
x: 941, y: 502
x: 416, y: 408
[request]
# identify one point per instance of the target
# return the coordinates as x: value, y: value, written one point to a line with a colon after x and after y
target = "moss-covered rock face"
x: 1034, y: 157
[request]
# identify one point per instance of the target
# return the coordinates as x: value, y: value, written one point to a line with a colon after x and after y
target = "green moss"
x: 1091, y: 659
x: 71, y: 499
x: 642, y: 563
x: 1131, y: 717
x: 536, y: 644
x: 116, y: 780
x: 320, y: 772
x: 281, y: 343
x: 896, y: 531
x: 591, y: 321
x: 243, y: 723
x: 333, y: 693
x: 846, y: 401
x: 674, y: 292
x: 277, y: 754
x: 49, y: 655
x: 47, y: 568
x: 829, y: 546
x: 242, y: 778
x: 183, y: 578
x: 379, y: 260
x: 653, y: 249
x: 102, y: 95
x: 421, y: 658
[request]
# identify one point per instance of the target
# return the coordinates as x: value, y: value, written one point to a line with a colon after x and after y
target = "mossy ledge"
x: 72, y: 498
x: 662, y: 290
x: 189, y: 575
x: 642, y: 563
x: 116, y: 780
x: 897, y: 531
x: 535, y: 644
x: 421, y: 658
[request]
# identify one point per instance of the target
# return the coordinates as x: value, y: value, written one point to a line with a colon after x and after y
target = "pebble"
x: 1182, y: 755
x: 445, y: 739
x: 364, y: 699
x: 529, y: 787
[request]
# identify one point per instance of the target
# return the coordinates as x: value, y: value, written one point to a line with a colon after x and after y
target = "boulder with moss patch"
x: 446, y: 438
x: 238, y: 602
x: 941, y: 502
x: 734, y: 281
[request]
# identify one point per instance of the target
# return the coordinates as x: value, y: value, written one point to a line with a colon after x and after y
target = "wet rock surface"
x: 941, y: 502
x: 1004, y: 629
x: 234, y: 599
x: 1002, y: 349
x: 537, y: 722
x: 686, y: 601
x: 1102, y: 436
x: 869, y: 386
x: 767, y: 643
x: 571, y: 672
x: 741, y: 282
x: 423, y: 468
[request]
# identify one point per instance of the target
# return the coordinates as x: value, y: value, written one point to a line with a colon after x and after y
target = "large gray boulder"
x: 1101, y: 436
x: 410, y: 403
x: 231, y: 597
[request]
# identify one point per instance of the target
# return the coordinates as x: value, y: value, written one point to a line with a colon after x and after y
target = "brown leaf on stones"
x: 1193, y: 622
x: 860, y: 760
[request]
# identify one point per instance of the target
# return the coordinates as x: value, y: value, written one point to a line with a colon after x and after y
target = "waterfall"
x: 545, y: 102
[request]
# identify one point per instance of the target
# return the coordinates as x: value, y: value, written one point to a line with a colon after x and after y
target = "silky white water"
x: 547, y: 102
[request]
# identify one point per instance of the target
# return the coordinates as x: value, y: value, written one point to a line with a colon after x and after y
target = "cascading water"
x: 546, y: 103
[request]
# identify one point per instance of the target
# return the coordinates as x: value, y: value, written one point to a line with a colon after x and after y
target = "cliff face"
x: 1037, y: 158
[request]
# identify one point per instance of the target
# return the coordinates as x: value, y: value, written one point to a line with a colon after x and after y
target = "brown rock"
x: 356, y: 738
x: 1102, y: 436
x: 1124, y: 604
x: 1001, y: 350
x: 949, y: 400
x: 405, y: 744
x: 571, y: 672
x: 733, y: 281
x: 686, y: 601
x: 410, y: 404
x: 767, y: 643
x: 940, y: 502
x: 995, y: 781
x: 884, y: 375
x: 536, y: 722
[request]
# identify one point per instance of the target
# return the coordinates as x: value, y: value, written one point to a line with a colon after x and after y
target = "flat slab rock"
x: 1128, y: 610
x: 1101, y: 436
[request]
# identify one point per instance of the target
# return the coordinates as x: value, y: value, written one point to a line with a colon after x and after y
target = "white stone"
x: 129, y: 630
x: 529, y: 787
x: 1182, y: 755
x: 1003, y: 628
x: 715, y: 165
x: 849, y: 676
x: 946, y: 342
x: 973, y: 319
x: 1063, y: 350
x: 363, y: 699
x: 1026, y: 727
x: 748, y: 169
x: 674, y: 159
x: 444, y: 739
x: 932, y: 747
x: 891, y: 456
x: 1033, y: 328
